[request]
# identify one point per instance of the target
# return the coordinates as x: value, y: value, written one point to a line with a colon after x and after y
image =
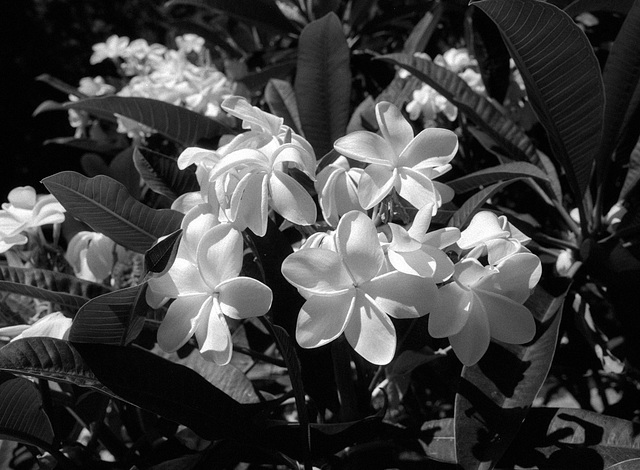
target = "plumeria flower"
x: 428, y: 102
x: 92, y: 255
x: 484, y: 302
x: 346, y: 293
x: 456, y: 60
x: 206, y: 287
x: 113, y: 48
x: 53, y: 325
x: 398, y: 160
x: 337, y: 188
x: 190, y: 43
x: 24, y: 211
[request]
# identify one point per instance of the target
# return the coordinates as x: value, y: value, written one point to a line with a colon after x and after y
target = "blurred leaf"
x: 422, y: 32
x: 256, y: 81
x: 86, y: 144
x: 320, y: 8
x: 159, y: 258
x: 261, y: 13
x: 162, y: 174
x: 174, y: 122
x: 573, y: 438
x: 50, y: 105
x: 580, y: 6
x: 323, y: 82
x: 116, y: 318
x: 361, y: 11
x: 494, y: 174
x: 106, y: 206
x: 476, y: 107
x: 438, y: 440
x: 633, y: 174
x: 60, y: 85
x: 67, y: 291
x: 495, y: 395
x: 282, y: 102
x: 562, y: 77
x: 22, y: 417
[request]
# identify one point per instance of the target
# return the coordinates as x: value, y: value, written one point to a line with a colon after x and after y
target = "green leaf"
x: 422, y: 32
x: 495, y: 174
x: 323, y: 82
x: 116, y: 318
x: 106, y: 206
x: 162, y: 174
x: 159, y: 258
x: 580, y: 6
x: 562, y: 77
x: 264, y: 14
x: 480, y: 110
x: 573, y: 438
x: 22, y: 417
x: 282, y: 102
x: 177, y: 123
x: 495, y: 395
x: 67, y: 291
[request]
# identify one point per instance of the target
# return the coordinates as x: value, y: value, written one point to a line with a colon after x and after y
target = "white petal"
x: 213, y: 336
x: 484, y: 226
x: 316, y: 270
x: 472, y: 341
x: 393, y: 126
x: 243, y: 157
x: 401, y: 239
x: 416, y: 263
x: 416, y: 188
x: 244, y: 297
x: 367, y: 147
x: 325, y: 186
x: 251, y: 204
x: 358, y: 245
x: 433, y: 147
x: 442, y: 238
x: 22, y: 197
x: 469, y: 272
x: 517, y: 276
x: 421, y: 222
x: 239, y: 107
x: 452, y: 312
x: 510, y: 322
x: 370, y: 332
x: 196, y: 155
x: 444, y: 267
x: 181, y: 321
x: 47, y: 211
x: 219, y: 255
x: 375, y: 183
x: 198, y: 221
x: 323, y: 318
x: 183, y: 278
x: 402, y: 295
x: 292, y: 153
x: 291, y: 200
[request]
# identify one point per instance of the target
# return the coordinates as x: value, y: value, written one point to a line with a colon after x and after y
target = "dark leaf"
x: 214, y: 36
x: 580, y: 6
x: 495, y: 395
x: 281, y: 99
x: 159, y: 258
x: 162, y: 174
x: 438, y: 440
x: 323, y: 82
x: 60, y: 85
x: 633, y: 173
x: 422, y: 32
x: 87, y: 145
x: 256, y: 81
x: 106, y: 206
x: 495, y: 174
x: 50, y: 105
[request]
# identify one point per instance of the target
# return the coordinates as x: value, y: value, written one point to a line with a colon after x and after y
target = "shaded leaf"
x: 50, y: 105
x: 60, y: 85
x: 116, y: 318
x: 212, y: 34
x: 562, y: 77
x: 497, y: 173
x: 422, y: 32
x: 256, y: 81
x: 86, y: 144
x: 282, y: 102
x: 438, y: 439
x: 495, y: 395
x: 480, y: 110
x: 580, y: 6
x: 67, y: 291
x: 159, y: 258
x: 633, y: 173
x: 162, y: 174
x: 106, y: 206
x: 323, y: 82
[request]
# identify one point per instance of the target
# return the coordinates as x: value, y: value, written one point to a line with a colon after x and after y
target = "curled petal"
x: 10, y: 225
x: 187, y: 201
x: 300, y: 157
x: 416, y: 188
x: 394, y: 127
x: 452, y: 312
x: 213, y: 336
x: 358, y: 245
x: 432, y: 147
x: 243, y: 157
x: 517, y: 276
x: 472, y: 341
x: 22, y: 197
x: 323, y: 318
x: 181, y: 321
x: 291, y: 200
x: 252, y: 116
x: 469, y: 272
x: 325, y: 185
x: 510, y: 322
x: 250, y: 203
x: 197, y: 156
x: 442, y: 265
x: 47, y: 211
x: 244, y: 297
x: 402, y: 295
x: 484, y: 226
x: 375, y: 183
x: 367, y: 147
x: 219, y: 255
x: 442, y: 238
x: 401, y: 240
x: 317, y: 270
x: 7, y: 242
x: 421, y: 222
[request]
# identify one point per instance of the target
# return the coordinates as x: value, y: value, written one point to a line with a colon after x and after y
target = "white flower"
x: 113, y: 48
x: 54, y: 325
x: 337, y: 188
x: 190, y: 43
x: 91, y: 255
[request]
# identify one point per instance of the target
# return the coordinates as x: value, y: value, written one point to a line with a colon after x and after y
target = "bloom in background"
x: 398, y: 160
x: 205, y: 284
x: 25, y: 211
x: 337, y: 188
x: 346, y: 293
x: 456, y: 60
x: 53, y: 325
x: 113, y: 48
x: 91, y: 255
x: 485, y: 301
x: 190, y: 43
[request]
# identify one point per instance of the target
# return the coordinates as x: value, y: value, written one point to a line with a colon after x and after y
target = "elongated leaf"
x: 50, y: 105
x: 282, y: 101
x: 115, y: 318
x: 22, y: 418
x: 162, y: 174
x: 159, y: 258
x: 323, y: 82
x: 211, y: 33
x: 571, y: 438
x: 256, y: 81
x: 106, y: 206
x: 562, y: 77
x: 497, y: 173
x: 495, y: 395
x: 85, y: 144
x: 580, y: 6
x: 476, y: 107
x: 67, y: 291
x: 60, y: 85
x: 261, y: 13
x: 422, y: 32
x: 174, y: 122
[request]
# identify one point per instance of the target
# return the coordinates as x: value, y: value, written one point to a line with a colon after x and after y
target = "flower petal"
x: 219, y: 255
x: 370, y: 331
x: 291, y: 200
x: 472, y: 341
x: 197, y: 155
x: 452, y: 312
x: 317, y: 270
x: 213, y: 336
x: 250, y: 203
x: 183, y: 278
x: 518, y: 275
x: 510, y: 322
x: 367, y: 147
x: 416, y: 188
x: 243, y: 157
x: 323, y: 318
x: 394, y: 127
x: 484, y: 226
x: 300, y: 157
x: 181, y: 321
x: 431, y: 147
x: 244, y: 297
x: 358, y: 245
x: 375, y: 183
x: 402, y: 295
x: 198, y: 221
x: 401, y: 240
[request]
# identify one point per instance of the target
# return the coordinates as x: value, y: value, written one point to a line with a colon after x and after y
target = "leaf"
x: 116, y: 318
x: 60, y: 85
x: 438, y: 439
x: 495, y: 395
x: 22, y: 417
x: 494, y: 174
x: 476, y: 107
x: 67, y: 291
x: 86, y: 144
x: 573, y: 438
x: 323, y: 82
x: 562, y: 77
x: 162, y: 174
x: 422, y: 32
x: 211, y: 33
x: 256, y: 81
x: 281, y: 99
x: 633, y: 173
x: 177, y: 123
x: 580, y: 6
x: 261, y: 13
x: 159, y: 258
x: 106, y: 206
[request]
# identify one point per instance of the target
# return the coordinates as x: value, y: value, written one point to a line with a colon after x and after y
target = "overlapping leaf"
x: 281, y: 99
x: 497, y: 173
x: 162, y: 174
x: 106, y: 206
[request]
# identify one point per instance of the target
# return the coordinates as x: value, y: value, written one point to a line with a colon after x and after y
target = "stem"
x: 341, y: 355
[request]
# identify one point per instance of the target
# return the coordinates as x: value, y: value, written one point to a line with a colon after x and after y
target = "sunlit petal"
x: 366, y: 147
x: 393, y: 126
x: 322, y: 319
x: 402, y: 295
x: 297, y: 156
x: 472, y: 341
x: 432, y: 147
x: 484, y: 226
x: 244, y: 297
x: 358, y: 245
x: 510, y: 322
x: 252, y: 204
x: 401, y: 240
x: 421, y: 222
x: 517, y: 276
x: 416, y: 188
x: 291, y: 200
x: 198, y: 221
x: 470, y: 272
x: 441, y: 238
x: 183, y: 278
x: 452, y: 312
x: 213, y: 336
x: 181, y: 321
x: 317, y: 270
x: 245, y: 156
x: 441, y: 264
x: 197, y: 155
x: 375, y: 183
x: 219, y: 255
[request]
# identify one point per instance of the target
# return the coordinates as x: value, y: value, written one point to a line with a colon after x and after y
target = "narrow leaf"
x: 422, y: 32
x: 85, y: 144
x: 282, y: 101
x: 159, y: 258
x: 323, y: 82
x: 162, y: 174
x: 256, y: 81
x: 562, y: 77
x: 581, y: 6
x: 106, y: 206
x: 60, y: 85
x: 495, y: 174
